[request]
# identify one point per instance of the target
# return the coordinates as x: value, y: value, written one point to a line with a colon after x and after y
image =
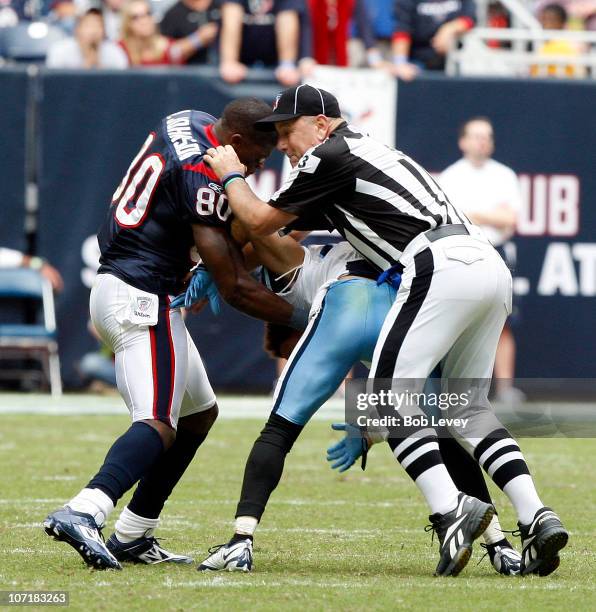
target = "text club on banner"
x: 555, y: 246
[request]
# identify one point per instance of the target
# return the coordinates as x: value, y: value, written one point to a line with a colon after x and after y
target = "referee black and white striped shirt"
x: 378, y: 198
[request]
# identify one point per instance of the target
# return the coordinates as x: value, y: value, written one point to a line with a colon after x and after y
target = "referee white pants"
x: 159, y: 371
x: 453, y: 301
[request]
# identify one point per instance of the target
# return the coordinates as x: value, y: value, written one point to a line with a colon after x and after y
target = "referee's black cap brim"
x: 299, y: 101
x: 267, y: 124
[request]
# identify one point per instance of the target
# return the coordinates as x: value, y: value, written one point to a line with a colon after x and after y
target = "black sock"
x: 158, y: 483
x: 265, y: 465
x: 504, y: 543
x: 463, y: 469
x: 240, y: 537
x: 133, y: 453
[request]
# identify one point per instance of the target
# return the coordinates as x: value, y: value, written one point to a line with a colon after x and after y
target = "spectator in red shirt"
x: 331, y: 23
x: 143, y: 43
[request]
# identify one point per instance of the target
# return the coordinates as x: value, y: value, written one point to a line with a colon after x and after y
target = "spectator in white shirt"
x: 489, y: 193
x: 88, y: 48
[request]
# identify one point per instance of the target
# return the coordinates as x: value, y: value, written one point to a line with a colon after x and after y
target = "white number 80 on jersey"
x: 133, y: 195
x: 207, y: 203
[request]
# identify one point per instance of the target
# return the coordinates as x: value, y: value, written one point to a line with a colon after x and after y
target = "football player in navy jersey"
x: 168, y: 203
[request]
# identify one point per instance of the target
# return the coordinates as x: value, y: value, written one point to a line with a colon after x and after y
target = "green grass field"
x: 326, y: 542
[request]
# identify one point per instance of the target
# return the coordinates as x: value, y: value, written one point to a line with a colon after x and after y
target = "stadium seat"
x: 37, y: 340
x: 29, y: 41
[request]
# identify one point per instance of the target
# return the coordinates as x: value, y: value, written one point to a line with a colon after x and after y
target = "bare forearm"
x: 231, y: 32
x: 287, y: 28
x: 299, y: 235
x: 251, y: 257
x: 460, y: 25
x: 184, y: 48
x: 502, y: 217
x: 253, y: 299
x: 257, y: 216
x: 278, y: 254
x: 223, y: 259
x: 245, y: 205
x: 401, y: 47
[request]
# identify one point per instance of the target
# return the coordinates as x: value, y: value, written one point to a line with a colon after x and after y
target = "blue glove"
x: 178, y: 301
x: 347, y: 451
x: 391, y: 276
x: 201, y: 285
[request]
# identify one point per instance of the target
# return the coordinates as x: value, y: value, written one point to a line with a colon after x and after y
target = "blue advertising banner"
x: 92, y: 124
x: 13, y: 116
x: 545, y: 131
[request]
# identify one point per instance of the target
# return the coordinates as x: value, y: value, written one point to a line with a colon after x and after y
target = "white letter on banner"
x: 586, y: 255
x: 531, y: 220
x: 563, y: 210
x: 558, y: 271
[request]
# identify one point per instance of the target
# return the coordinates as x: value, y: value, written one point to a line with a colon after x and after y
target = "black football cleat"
x: 457, y: 530
x: 542, y: 540
x: 143, y: 550
x: 81, y: 531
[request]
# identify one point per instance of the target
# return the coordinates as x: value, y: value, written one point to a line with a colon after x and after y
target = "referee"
x: 454, y: 298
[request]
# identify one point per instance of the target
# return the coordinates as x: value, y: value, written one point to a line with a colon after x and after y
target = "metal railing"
x: 526, y: 55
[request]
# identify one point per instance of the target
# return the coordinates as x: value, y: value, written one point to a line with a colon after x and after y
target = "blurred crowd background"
x: 404, y: 37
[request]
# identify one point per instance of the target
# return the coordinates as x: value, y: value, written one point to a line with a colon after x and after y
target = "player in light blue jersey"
x: 348, y: 308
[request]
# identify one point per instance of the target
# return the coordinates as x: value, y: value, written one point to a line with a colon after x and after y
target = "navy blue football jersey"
x: 146, y: 239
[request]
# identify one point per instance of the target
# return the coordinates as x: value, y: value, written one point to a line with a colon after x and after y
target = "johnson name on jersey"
x: 146, y: 239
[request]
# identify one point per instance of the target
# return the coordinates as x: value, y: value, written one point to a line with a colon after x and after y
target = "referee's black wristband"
x: 230, y: 176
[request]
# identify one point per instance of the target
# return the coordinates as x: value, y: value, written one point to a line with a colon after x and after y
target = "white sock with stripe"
x: 502, y: 459
x: 419, y: 455
x: 524, y: 497
x: 438, y: 489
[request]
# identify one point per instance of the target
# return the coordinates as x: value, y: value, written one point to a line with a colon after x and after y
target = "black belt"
x: 455, y: 229
x: 393, y: 274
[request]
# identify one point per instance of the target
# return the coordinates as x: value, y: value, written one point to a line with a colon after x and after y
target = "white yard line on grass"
x: 558, y: 419
x: 219, y: 502
x: 230, y: 406
x: 249, y: 582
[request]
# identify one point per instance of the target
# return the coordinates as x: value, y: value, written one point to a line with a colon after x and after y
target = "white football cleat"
x: 504, y: 558
x: 233, y: 557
